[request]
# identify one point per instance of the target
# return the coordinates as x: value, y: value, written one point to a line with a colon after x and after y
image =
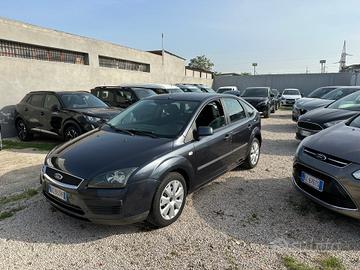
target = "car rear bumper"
x: 105, y: 206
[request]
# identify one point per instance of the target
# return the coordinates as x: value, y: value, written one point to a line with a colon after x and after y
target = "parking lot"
x: 243, y: 220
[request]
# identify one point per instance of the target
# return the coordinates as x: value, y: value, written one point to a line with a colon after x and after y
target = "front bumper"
x: 262, y: 108
x: 104, y: 206
x: 287, y: 102
x: 341, y: 191
x: 302, y: 133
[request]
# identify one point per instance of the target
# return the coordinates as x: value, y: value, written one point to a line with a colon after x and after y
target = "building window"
x: 29, y: 51
x: 109, y: 62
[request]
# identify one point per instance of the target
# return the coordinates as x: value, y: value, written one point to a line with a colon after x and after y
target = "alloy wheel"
x: 172, y: 199
x: 254, y: 153
x: 71, y: 133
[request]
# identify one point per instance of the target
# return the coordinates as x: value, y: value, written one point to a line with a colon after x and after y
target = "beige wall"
x: 18, y: 76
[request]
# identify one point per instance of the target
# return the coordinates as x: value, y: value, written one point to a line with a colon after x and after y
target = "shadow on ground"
x: 19, y: 180
x: 279, y: 147
x: 270, y: 212
x: 279, y: 128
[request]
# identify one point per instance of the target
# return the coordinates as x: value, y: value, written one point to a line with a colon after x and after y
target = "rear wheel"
x: 23, y: 131
x: 169, y: 200
x: 254, y: 154
x: 71, y: 132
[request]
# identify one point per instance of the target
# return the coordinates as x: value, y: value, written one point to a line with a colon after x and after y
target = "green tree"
x: 201, y: 62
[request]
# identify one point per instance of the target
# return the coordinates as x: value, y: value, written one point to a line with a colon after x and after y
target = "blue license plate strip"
x: 312, y: 181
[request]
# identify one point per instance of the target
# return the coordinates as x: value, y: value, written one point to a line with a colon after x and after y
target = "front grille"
x: 309, y: 125
x: 335, y: 161
x: 70, y: 207
x: 67, y: 179
x: 105, y: 210
x: 333, y: 193
x: 290, y: 100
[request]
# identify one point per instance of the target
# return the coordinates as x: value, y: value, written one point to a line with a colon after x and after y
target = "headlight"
x: 357, y: 175
x: 112, y: 179
x: 332, y: 123
x: 92, y: 119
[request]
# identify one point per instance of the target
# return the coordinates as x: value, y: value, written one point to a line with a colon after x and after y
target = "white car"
x: 226, y: 88
x: 289, y: 96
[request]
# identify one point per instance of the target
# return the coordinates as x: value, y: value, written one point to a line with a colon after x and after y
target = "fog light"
x: 357, y: 175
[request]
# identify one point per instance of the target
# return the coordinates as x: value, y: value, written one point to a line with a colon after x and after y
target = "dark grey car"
x: 327, y: 167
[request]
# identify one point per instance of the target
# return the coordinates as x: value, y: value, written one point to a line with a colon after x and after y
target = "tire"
x: 71, y: 131
x: 273, y: 109
x: 161, y: 218
x: 267, y: 113
x: 251, y: 161
x: 22, y: 131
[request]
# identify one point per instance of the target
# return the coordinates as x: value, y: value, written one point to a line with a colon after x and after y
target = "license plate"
x: 312, y: 181
x: 305, y: 133
x: 58, y: 193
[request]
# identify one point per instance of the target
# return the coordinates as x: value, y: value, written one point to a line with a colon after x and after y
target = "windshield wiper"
x: 120, y: 129
x: 144, y: 132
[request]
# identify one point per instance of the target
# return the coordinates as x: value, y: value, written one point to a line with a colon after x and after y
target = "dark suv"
x: 63, y: 114
x: 261, y: 98
x: 121, y: 96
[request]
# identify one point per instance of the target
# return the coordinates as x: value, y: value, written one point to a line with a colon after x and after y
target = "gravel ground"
x: 242, y: 220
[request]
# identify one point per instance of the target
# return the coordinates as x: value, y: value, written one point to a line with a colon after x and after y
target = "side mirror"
x: 55, y: 108
x: 272, y: 95
x: 203, y: 131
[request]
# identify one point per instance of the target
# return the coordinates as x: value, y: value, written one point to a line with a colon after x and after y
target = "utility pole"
x: 254, y: 65
x: 162, y: 47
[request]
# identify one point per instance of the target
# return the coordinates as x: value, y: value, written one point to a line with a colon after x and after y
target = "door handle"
x: 227, y: 137
x: 26, y: 109
x: 42, y: 113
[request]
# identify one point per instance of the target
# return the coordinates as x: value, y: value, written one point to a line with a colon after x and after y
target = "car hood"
x: 324, y: 115
x: 104, y: 113
x: 339, y: 141
x: 103, y: 150
x: 255, y: 100
x: 314, y: 103
x: 301, y: 101
x: 291, y: 96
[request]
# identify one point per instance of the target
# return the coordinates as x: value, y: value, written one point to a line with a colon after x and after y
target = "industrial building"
x: 36, y: 58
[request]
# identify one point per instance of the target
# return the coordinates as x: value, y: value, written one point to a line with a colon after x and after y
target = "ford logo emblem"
x: 321, y: 157
x: 58, y: 176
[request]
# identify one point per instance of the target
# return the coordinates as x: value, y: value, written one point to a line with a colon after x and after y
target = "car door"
x: 52, y: 117
x: 211, y: 152
x: 34, y: 112
x: 241, y: 127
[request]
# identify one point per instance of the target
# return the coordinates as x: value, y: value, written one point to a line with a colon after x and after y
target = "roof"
x: 188, y: 96
x: 159, y: 52
x: 140, y: 85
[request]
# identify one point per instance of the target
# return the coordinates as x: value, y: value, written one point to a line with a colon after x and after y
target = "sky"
x: 282, y: 36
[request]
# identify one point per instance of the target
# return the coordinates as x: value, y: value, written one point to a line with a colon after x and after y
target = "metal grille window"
x: 29, y: 51
x: 123, y: 64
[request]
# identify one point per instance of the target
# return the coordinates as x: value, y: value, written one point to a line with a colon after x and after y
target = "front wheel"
x: 254, y: 154
x: 267, y: 113
x: 169, y: 200
x: 71, y: 132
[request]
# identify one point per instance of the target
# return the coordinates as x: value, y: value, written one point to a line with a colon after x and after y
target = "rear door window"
x: 234, y: 109
x: 37, y: 100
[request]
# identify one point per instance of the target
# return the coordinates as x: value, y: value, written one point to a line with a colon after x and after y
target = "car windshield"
x: 158, y: 117
x: 143, y: 92
x: 174, y: 90
x: 350, y: 102
x: 320, y: 92
x: 81, y: 100
x: 255, y: 92
x: 291, y: 92
x: 355, y: 122
x: 339, y: 93
x: 222, y: 90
